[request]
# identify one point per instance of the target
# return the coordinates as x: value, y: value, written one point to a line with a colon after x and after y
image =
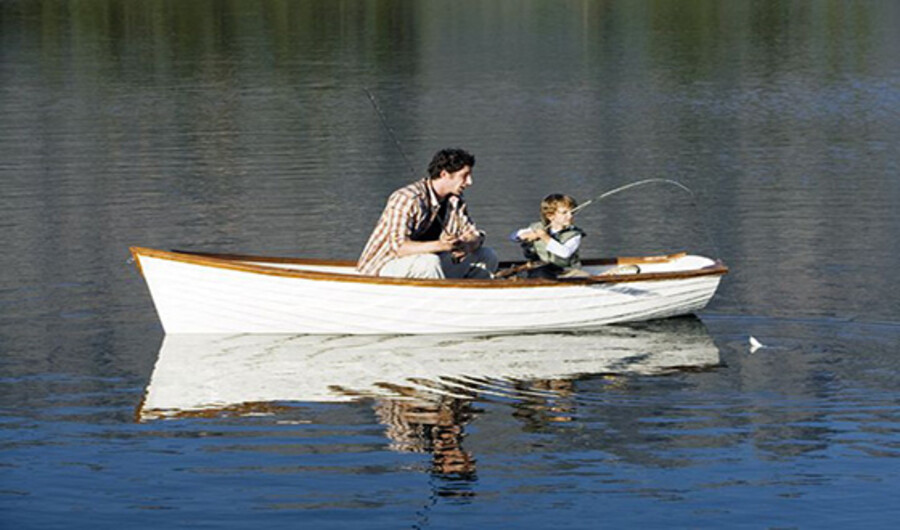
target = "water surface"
x: 244, y: 127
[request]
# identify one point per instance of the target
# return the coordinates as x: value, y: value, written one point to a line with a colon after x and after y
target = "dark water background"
x: 243, y: 126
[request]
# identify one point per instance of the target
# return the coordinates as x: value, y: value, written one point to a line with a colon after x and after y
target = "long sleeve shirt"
x: 408, y: 215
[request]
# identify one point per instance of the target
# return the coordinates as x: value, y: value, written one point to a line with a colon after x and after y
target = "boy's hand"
x: 534, y: 235
x: 527, y: 235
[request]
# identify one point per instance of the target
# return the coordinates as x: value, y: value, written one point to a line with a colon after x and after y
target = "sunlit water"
x: 245, y: 127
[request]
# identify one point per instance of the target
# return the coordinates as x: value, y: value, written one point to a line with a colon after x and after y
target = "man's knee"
x: 479, y: 264
x: 417, y: 266
x: 488, y: 257
x: 426, y: 266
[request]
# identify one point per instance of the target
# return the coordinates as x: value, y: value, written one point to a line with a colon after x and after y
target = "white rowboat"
x: 223, y: 293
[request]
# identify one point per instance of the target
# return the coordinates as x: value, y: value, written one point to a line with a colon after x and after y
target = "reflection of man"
x: 425, y: 230
x: 436, y: 427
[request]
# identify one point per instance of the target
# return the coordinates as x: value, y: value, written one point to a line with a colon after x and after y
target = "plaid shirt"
x: 409, y: 213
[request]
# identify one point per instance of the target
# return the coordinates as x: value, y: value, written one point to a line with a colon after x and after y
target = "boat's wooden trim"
x: 239, y: 263
x: 636, y: 260
x: 269, y: 259
x: 137, y: 261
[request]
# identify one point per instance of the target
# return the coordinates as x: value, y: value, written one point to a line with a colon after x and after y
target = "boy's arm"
x: 563, y: 250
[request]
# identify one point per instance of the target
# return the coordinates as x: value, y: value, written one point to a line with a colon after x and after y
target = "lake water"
x: 244, y: 127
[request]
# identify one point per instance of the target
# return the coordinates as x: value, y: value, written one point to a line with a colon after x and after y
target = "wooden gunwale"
x: 347, y: 263
x: 237, y: 262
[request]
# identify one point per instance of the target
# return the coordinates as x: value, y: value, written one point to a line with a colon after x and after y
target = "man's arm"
x: 403, y: 211
x: 470, y: 237
x: 410, y: 247
x: 469, y: 242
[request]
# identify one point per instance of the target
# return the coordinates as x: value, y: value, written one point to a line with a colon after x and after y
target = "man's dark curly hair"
x: 450, y: 159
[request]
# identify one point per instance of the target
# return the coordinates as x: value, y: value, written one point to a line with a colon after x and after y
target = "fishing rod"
x: 390, y: 131
x: 387, y: 127
x: 629, y: 186
x: 671, y: 182
x: 534, y: 264
x: 634, y: 185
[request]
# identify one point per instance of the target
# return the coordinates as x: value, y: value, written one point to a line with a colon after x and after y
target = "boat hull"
x: 194, y: 296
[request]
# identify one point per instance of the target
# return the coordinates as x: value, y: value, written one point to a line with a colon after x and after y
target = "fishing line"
x: 706, y: 230
x: 754, y: 345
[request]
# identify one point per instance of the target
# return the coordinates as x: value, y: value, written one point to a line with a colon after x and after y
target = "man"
x: 425, y: 230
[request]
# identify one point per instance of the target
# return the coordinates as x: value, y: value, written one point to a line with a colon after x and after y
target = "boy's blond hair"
x: 552, y: 202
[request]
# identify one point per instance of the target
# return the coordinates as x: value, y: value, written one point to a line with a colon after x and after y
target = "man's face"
x: 458, y: 181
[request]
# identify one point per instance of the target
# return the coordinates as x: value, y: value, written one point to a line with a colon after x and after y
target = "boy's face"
x: 562, y: 217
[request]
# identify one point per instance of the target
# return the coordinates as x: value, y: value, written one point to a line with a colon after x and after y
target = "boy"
x: 553, y: 241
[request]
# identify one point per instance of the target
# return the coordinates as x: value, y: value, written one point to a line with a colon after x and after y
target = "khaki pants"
x: 479, y: 264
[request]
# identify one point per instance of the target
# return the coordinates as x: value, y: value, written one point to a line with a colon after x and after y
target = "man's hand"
x: 471, y: 241
x: 449, y: 243
x: 465, y: 244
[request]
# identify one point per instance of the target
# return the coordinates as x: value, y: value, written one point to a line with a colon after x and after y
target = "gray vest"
x: 537, y: 250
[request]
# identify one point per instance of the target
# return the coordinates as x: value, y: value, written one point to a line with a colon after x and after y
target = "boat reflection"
x: 424, y: 388
x: 209, y: 373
